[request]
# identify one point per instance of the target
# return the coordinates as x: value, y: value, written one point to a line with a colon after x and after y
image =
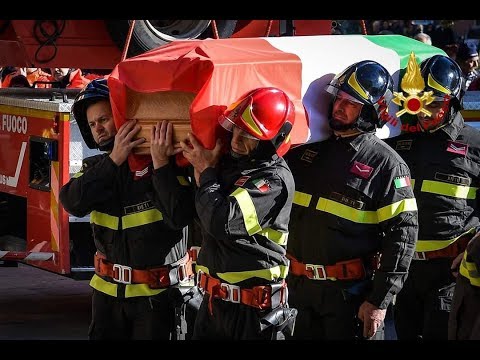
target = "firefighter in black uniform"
x: 137, y: 223
x: 444, y: 158
x: 353, y: 204
x: 244, y: 198
x: 464, y: 319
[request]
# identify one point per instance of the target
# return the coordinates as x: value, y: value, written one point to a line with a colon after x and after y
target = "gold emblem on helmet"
x: 413, y: 84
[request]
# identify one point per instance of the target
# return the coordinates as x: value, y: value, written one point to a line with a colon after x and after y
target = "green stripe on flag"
x: 404, y: 45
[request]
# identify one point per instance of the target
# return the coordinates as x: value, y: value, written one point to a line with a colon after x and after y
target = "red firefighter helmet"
x: 266, y: 114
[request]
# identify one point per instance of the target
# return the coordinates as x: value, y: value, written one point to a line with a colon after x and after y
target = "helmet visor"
x: 342, y: 95
x: 228, y: 124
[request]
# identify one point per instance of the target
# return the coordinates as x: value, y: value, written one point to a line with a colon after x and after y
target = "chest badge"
x: 262, y: 185
x: 308, y: 155
x: 362, y: 170
x: 457, y: 148
x: 241, y: 181
x: 403, y: 145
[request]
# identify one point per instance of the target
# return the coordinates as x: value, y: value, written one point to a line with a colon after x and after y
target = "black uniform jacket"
x: 244, y: 207
x: 353, y: 200
x: 445, y: 166
x: 137, y: 223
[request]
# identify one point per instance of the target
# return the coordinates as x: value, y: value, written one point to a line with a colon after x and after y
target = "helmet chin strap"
x: 107, y: 145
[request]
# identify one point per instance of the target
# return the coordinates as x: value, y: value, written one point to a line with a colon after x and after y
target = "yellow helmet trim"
x: 435, y: 85
x: 352, y: 81
x: 248, y: 120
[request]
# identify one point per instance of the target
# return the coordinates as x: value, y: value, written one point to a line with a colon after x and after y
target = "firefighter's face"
x: 242, y: 143
x: 438, y: 110
x: 345, y: 110
x: 100, y: 121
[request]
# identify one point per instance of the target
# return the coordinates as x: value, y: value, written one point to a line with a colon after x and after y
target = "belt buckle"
x: 233, y: 292
x: 197, y: 281
x: 419, y: 255
x: 124, y: 274
x: 317, y: 275
x: 182, y: 273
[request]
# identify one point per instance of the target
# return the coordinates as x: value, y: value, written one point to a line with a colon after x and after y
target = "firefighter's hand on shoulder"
x: 372, y: 318
x: 200, y: 157
x: 124, y: 142
x: 161, y: 143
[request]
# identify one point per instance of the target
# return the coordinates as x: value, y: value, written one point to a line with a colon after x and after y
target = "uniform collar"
x: 453, y: 129
x: 355, y: 141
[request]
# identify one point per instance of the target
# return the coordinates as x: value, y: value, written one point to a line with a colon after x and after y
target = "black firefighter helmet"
x: 93, y: 92
x: 369, y: 83
x: 443, y: 77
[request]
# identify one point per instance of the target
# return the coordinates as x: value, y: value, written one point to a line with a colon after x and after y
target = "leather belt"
x: 450, y: 251
x: 156, y: 278
x: 260, y: 297
x: 353, y: 269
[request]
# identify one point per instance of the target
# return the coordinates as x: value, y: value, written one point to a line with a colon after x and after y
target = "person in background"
x: 19, y: 81
x: 422, y: 37
x: 137, y: 222
x: 68, y: 78
x: 444, y: 159
x: 467, y: 59
x: 244, y: 198
x: 354, y: 219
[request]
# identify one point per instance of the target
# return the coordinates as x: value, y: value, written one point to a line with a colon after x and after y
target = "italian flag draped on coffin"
x: 213, y: 73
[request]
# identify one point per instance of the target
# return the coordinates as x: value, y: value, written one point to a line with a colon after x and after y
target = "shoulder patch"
x: 362, y: 170
x: 457, y: 148
x: 262, y: 185
x: 242, y: 180
x: 308, y: 155
x: 142, y: 173
x: 401, y: 181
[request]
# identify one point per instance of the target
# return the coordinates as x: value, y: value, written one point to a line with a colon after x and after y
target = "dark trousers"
x: 229, y: 321
x: 464, y: 321
x: 422, y: 306
x: 326, y: 311
x: 136, y: 318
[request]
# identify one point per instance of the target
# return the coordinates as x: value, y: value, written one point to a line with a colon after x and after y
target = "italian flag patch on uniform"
x: 401, y: 182
x: 262, y: 185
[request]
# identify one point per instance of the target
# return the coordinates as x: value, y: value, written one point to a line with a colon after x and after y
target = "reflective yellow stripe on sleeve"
x: 456, y: 191
x: 277, y: 237
x: 141, y: 218
x: 412, y: 183
x: 302, y: 199
x: 104, y: 220
x: 77, y: 175
x: 392, y: 210
x: 431, y: 245
x: 272, y: 274
x: 249, y: 213
x: 346, y: 212
x: 470, y: 271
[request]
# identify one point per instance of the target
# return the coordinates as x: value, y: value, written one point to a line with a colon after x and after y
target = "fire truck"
x: 40, y: 149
